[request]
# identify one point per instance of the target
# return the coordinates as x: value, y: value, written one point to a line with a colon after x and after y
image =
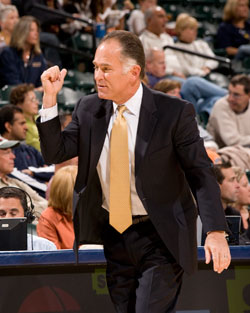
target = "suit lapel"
x: 147, y: 122
x: 99, y: 127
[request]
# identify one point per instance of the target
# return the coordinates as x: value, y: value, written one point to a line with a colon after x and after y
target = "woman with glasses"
x: 22, y: 61
x: 24, y: 96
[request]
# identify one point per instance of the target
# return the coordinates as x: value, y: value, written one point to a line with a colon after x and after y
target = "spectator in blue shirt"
x: 234, y: 32
x: 22, y: 61
x: 13, y: 125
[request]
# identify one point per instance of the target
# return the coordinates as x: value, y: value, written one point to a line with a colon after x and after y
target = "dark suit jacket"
x: 169, y: 160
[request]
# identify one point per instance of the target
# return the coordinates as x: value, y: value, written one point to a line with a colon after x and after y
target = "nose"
x: 237, y: 185
x: 98, y: 74
x: 12, y: 156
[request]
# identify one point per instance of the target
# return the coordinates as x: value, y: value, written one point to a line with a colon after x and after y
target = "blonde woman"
x: 22, y: 61
x: 55, y: 223
x: 243, y: 199
x: 234, y: 32
x: 186, y: 31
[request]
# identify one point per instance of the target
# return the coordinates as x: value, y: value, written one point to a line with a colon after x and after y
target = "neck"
x: 151, y: 31
x: 239, y: 23
x: 29, y: 117
x: 7, y: 136
x: 224, y: 204
x: 129, y: 94
x: 6, y: 32
x: 239, y: 206
x: 2, y: 176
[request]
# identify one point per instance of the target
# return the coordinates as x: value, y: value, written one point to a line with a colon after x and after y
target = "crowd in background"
x: 32, y: 39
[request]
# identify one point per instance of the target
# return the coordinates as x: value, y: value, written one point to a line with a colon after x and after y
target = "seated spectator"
x: 56, y: 222
x: 197, y: 90
x: 173, y: 88
x: 13, y: 127
x: 155, y: 36
x: 236, y: 155
x: 243, y: 200
x: 186, y: 31
x: 22, y: 61
x: 8, y: 19
x: 229, y: 186
x: 136, y: 22
x: 230, y: 193
x: 229, y: 119
x: 6, y: 168
x: 234, y: 32
x: 24, y: 97
x: 14, y: 202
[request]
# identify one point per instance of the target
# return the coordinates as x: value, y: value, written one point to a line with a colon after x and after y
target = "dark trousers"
x: 142, y: 275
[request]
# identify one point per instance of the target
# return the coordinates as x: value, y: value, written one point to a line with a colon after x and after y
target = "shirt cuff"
x: 48, y: 114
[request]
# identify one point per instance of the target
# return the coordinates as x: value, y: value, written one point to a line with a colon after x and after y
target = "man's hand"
x: 216, y: 248
x: 52, y: 81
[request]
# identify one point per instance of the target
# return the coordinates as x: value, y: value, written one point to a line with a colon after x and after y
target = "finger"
x: 207, y: 255
x: 63, y: 73
x: 52, y: 74
x: 224, y: 260
x: 216, y: 260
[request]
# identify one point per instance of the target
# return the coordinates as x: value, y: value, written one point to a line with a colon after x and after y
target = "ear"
x: 135, y: 71
x: 8, y: 127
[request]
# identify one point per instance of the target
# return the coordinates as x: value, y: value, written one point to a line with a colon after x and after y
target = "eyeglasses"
x: 33, y: 99
x: 235, y: 95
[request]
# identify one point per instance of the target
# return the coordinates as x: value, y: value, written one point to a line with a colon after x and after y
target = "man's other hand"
x: 216, y: 248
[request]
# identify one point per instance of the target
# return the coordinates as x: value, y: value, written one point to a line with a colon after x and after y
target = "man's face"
x: 18, y: 130
x: 244, y: 191
x: 229, y: 187
x: 11, y: 207
x: 157, y: 65
x: 6, y: 161
x: 112, y: 81
x: 237, y: 98
x: 157, y: 23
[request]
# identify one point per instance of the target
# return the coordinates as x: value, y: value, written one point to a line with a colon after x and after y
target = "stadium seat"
x: 80, y: 81
x: 67, y: 98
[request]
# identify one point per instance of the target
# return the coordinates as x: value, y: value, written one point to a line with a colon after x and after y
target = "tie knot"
x: 121, y: 109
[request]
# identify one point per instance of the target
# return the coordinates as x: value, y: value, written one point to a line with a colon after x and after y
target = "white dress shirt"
x: 103, y: 167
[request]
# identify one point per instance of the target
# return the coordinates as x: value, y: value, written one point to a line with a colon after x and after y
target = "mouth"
x: 100, y: 87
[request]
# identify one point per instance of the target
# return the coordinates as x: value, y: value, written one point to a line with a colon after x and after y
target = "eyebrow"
x: 12, y: 210
x: 102, y: 64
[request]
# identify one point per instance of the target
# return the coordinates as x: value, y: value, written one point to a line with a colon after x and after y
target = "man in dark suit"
x: 167, y: 161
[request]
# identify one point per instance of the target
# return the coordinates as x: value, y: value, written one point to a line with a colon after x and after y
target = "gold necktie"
x: 120, y: 216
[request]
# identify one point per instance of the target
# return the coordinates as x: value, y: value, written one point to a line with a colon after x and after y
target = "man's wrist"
x: 217, y: 231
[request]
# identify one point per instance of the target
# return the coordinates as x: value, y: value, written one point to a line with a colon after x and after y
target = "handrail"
x: 63, y: 48
x: 205, y: 56
x: 70, y: 16
x: 63, y: 14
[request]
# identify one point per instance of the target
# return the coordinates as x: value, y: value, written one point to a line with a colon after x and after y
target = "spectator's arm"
x: 46, y: 230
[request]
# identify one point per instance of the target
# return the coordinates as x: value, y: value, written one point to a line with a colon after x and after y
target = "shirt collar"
x: 134, y: 103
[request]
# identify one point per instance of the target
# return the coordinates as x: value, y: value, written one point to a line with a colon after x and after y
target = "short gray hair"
x: 4, y: 11
x: 149, y: 13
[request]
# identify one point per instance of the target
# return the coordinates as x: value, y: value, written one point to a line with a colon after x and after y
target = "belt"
x: 139, y: 218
